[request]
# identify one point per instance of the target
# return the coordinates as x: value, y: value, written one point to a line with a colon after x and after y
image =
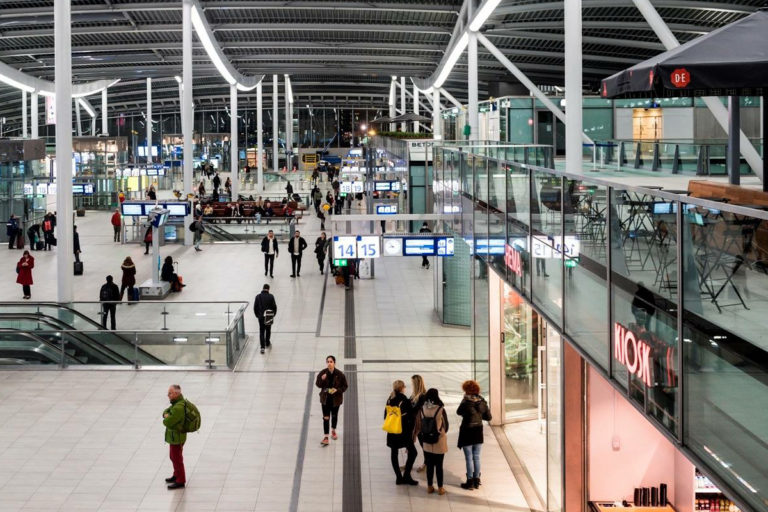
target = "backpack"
x: 193, y: 227
x: 104, y: 294
x: 480, y: 412
x: 192, y: 417
x: 429, y: 432
x: 393, y: 421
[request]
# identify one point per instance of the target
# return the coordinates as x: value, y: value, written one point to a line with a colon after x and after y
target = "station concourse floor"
x: 93, y: 440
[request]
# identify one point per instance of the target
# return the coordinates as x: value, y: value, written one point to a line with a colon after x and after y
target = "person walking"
x: 49, y: 224
x: 332, y: 384
x: 405, y: 439
x: 24, y: 273
x: 199, y: 229
x: 117, y: 222
x: 216, y: 182
x: 289, y: 190
x: 147, y: 239
x: 317, y: 198
x: 265, y: 309
x: 129, y: 278
x: 321, y: 249
x: 419, y: 390
x: 173, y: 420
x: 424, y: 260
x: 473, y: 410
x: 108, y: 296
x: 76, y: 243
x: 296, y: 247
x: 270, y: 250
x: 13, y: 231
x: 228, y: 187
x: 431, y: 428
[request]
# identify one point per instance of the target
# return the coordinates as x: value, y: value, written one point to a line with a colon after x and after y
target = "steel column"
x: 62, y: 30
x: 287, y: 113
x: 573, y: 85
x: 416, y: 107
x: 403, y: 125
x: 24, y: 114
x: 392, y: 101
x: 78, y: 120
x: 234, y: 162
x: 437, y: 120
x: 259, y: 138
x: 186, y: 109
x: 472, y: 113
x: 734, y: 152
x: 33, y: 115
x: 275, y: 130
x: 104, y: 123
x: 149, y: 122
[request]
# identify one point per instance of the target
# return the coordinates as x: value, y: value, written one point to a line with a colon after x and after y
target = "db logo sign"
x: 681, y: 78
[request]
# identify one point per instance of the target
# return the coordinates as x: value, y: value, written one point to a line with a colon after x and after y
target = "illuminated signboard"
x: 513, y: 260
x: 632, y: 352
x: 357, y: 187
x: 368, y: 246
x: 345, y: 187
x: 386, y: 209
x: 344, y: 247
x: 445, y: 246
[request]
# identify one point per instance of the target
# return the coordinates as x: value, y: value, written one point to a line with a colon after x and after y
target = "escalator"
x: 30, y: 336
x: 220, y: 234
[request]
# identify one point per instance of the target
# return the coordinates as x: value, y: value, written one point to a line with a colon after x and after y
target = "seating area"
x: 227, y: 211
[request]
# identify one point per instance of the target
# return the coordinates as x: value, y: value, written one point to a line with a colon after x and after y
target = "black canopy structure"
x: 411, y: 117
x: 382, y: 120
x: 729, y: 61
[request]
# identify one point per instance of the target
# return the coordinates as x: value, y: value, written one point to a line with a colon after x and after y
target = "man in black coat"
x: 296, y: 247
x: 265, y: 309
x: 108, y: 295
x: 269, y: 248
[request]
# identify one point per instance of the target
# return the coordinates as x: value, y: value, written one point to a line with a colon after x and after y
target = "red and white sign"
x: 680, y: 78
x: 513, y: 260
x: 632, y: 352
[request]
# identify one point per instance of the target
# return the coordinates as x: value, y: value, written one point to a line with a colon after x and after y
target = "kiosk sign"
x: 632, y: 352
x: 680, y: 78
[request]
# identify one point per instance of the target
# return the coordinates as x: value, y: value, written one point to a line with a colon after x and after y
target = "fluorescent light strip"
x: 202, y: 34
x: 461, y: 45
x: 483, y: 14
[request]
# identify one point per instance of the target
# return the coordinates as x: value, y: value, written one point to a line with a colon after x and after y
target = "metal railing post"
x: 164, y: 314
x: 136, y: 350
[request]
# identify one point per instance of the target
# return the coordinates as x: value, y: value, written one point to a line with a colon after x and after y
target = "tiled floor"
x: 93, y: 440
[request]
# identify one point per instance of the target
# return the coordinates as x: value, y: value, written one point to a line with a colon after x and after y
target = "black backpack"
x: 429, y: 433
x: 193, y: 227
x: 104, y: 294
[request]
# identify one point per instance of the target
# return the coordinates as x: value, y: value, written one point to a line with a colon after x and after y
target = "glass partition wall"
x: 624, y: 274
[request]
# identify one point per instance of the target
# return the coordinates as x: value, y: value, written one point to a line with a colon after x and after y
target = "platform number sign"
x: 344, y: 247
x: 368, y: 247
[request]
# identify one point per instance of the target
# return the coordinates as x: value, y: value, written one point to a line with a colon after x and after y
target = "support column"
x: 288, y: 158
x: 186, y: 108
x: 149, y: 122
x: 573, y: 84
x: 62, y: 30
x: 275, y: 130
x: 259, y: 138
x: 472, y: 113
x: 33, y: 115
x: 765, y: 141
x: 24, y: 114
x: 734, y: 151
x: 234, y: 163
x: 93, y: 126
x: 392, y: 101
x: 403, y: 125
x: 415, y: 107
x: 104, y: 122
x: 77, y: 118
x: 437, y: 119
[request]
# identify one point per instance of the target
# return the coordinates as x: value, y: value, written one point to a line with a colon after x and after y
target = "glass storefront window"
x: 546, y: 231
x: 554, y: 421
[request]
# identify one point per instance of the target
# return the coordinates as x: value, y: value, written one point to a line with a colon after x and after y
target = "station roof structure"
x: 336, y: 52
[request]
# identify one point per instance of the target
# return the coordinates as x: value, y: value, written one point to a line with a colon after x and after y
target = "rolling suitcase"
x: 78, y: 268
x: 135, y: 294
x: 39, y: 245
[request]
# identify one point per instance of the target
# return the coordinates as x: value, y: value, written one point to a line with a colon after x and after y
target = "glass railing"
x: 626, y: 273
x: 170, y: 333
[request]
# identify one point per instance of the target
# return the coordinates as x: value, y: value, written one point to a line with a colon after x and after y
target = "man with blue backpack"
x: 179, y: 419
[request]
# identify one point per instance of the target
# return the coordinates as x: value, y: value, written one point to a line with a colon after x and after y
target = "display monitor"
x: 133, y: 210
x: 386, y: 209
x: 418, y: 247
x: 88, y: 189
x: 177, y: 209
x: 77, y: 189
x: 383, y: 186
x: 395, y: 186
x: 151, y: 172
x: 445, y: 246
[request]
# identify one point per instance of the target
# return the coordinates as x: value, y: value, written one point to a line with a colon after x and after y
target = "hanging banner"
x: 50, y: 110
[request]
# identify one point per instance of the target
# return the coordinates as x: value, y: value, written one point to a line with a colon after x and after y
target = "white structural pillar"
x: 78, y: 119
x: 259, y: 137
x: 573, y: 85
x: 275, y: 130
x: 718, y: 110
x: 437, y: 120
x: 403, y: 125
x: 149, y: 120
x: 24, y: 113
x: 392, y: 101
x: 104, y: 123
x: 286, y: 93
x: 416, y: 107
x: 186, y: 107
x: 62, y: 30
x: 33, y: 115
x: 234, y: 163
x: 472, y: 89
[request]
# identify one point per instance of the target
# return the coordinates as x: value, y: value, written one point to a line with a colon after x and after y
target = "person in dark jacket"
x: 167, y: 274
x: 265, y: 309
x: 173, y: 420
x: 434, y: 452
x: 108, y: 295
x: 332, y: 384
x: 473, y: 410
x: 270, y: 250
x: 296, y: 247
x: 33, y: 233
x: 129, y: 278
x: 13, y: 231
x: 321, y: 249
x: 424, y: 260
x: 404, y: 439
x: 49, y: 224
x: 216, y: 182
x: 24, y: 273
x: 76, y: 243
x: 147, y: 239
x: 289, y: 189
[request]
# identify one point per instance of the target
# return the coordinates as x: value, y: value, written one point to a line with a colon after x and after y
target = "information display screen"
x: 383, y: 186
x: 445, y: 246
x: 88, y: 189
x: 386, y: 209
x: 133, y: 210
x: 177, y: 209
x: 419, y: 247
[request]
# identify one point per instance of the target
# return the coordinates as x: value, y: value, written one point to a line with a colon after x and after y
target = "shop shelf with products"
x: 709, y: 498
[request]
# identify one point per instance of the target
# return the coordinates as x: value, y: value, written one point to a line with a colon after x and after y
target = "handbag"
x: 269, y: 317
x: 393, y: 421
